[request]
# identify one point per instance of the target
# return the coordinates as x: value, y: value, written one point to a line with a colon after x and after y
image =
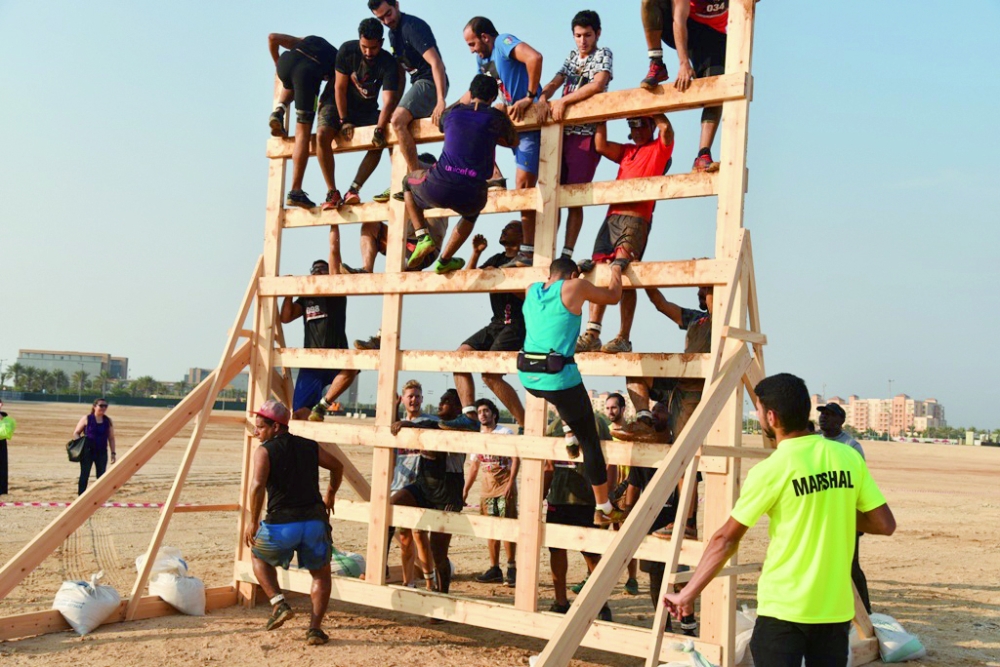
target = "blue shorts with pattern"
x: 311, y: 541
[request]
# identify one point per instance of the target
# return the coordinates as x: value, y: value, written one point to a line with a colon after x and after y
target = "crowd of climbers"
x: 805, y: 610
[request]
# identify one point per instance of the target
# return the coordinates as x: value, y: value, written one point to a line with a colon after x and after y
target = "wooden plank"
x: 49, y: 621
x: 864, y: 652
x: 222, y: 507
x: 234, y: 420
x: 611, y: 637
x: 573, y: 626
x: 710, y: 91
x: 744, y: 335
x: 683, y: 273
x: 862, y: 622
x: 98, y: 492
x: 435, y: 361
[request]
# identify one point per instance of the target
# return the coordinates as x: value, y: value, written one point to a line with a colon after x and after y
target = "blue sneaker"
x: 461, y: 423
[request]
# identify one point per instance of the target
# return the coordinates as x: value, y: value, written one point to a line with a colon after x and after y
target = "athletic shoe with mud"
x: 277, y: 122
x: 616, y: 345
x: 704, y: 163
x: 381, y: 198
x: 588, y: 341
x: 602, y: 518
x: 511, y: 576
x: 373, y: 343
x: 497, y: 184
x: 279, y: 614
x: 448, y: 265
x: 494, y: 575
x: 352, y: 198
x: 656, y: 75
x: 632, y: 586
x: 398, y: 196
x: 559, y: 608
x: 605, y: 613
x: 333, y: 200
x: 586, y: 266
x: 299, y: 198
x: 318, y: 413
x: 354, y: 270
x: 316, y: 637
x: 460, y: 423
x: 665, y: 533
x: 425, y: 246
x: 579, y: 587
x: 634, y: 431
x: 521, y: 260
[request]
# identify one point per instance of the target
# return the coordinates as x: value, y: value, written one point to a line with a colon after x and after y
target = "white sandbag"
x: 745, y: 620
x: 168, y: 559
x: 185, y: 594
x: 347, y: 564
x: 695, y: 657
x: 894, y: 643
x: 86, y: 605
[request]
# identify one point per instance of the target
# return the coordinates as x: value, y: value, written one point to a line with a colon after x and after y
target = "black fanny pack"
x: 550, y: 363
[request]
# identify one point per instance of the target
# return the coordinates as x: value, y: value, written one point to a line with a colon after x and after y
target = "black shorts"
x: 444, y: 495
x: 304, y: 77
x: 329, y: 116
x: 618, y: 230
x: 467, y: 198
x: 706, y: 47
x: 785, y: 644
x: 581, y: 516
x: 497, y: 338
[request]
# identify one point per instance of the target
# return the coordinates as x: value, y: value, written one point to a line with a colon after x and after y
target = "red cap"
x: 274, y: 410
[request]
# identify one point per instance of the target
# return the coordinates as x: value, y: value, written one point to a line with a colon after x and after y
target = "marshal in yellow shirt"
x: 810, y: 488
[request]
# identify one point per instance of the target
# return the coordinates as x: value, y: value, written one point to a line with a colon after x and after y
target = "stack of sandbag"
x: 894, y: 643
x: 86, y: 605
x: 169, y: 579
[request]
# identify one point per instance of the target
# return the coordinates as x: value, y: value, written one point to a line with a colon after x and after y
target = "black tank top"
x: 293, y: 483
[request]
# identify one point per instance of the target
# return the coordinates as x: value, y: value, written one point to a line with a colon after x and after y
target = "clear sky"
x: 132, y: 184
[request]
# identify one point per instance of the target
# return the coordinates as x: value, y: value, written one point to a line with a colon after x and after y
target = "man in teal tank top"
x: 552, y: 314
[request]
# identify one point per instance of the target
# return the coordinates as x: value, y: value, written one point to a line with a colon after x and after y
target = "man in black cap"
x: 298, y: 518
x: 831, y: 422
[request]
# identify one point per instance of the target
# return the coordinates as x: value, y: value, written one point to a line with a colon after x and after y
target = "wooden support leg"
x: 530, y: 521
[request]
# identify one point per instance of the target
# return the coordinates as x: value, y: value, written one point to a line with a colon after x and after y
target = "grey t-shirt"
x: 845, y: 438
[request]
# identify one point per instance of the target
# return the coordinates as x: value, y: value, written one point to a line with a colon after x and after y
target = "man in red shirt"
x: 697, y: 30
x: 623, y: 234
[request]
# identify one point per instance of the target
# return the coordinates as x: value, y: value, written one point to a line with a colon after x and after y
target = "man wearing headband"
x: 625, y: 230
x: 325, y: 328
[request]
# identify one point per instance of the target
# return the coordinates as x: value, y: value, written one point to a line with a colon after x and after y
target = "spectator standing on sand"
x: 298, y: 518
x: 831, y: 421
x: 7, y: 426
x: 817, y: 494
x: 100, y: 434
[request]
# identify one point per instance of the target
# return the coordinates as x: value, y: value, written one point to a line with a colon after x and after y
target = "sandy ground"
x: 939, y: 575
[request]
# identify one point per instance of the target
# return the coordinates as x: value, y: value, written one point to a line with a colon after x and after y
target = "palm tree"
x: 80, y: 380
x: 144, y: 386
x: 43, y: 380
x: 105, y: 378
x: 59, y: 380
x: 28, y: 378
x: 180, y: 388
x: 17, y: 370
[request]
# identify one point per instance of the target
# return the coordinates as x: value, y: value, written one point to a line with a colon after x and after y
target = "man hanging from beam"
x: 625, y: 230
x: 817, y: 493
x: 547, y: 368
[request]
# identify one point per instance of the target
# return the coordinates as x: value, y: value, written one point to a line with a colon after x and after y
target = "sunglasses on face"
x: 636, y: 122
x: 102, y: 405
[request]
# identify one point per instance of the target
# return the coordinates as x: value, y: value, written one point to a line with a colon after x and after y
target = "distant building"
x: 196, y: 376
x: 896, y: 416
x: 91, y: 363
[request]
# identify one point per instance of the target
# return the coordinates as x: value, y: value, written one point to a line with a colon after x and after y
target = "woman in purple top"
x: 100, y: 433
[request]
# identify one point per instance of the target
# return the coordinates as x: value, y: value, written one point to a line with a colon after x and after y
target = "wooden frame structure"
x: 711, y: 441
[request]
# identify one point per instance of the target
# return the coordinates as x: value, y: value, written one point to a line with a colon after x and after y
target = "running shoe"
x: 447, y: 265
x: 704, y: 163
x: 616, y: 345
x: 279, y: 614
x: 351, y: 269
x: 559, y: 608
x: 665, y: 533
x: 602, y: 518
x: 381, y: 198
x: 588, y: 341
x: 605, y: 613
x: 586, y: 266
x: 352, y: 198
x: 632, y: 586
x: 317, y: 413
x: 520, y: 261
x: 316, y: 637
x: 656, y: 75
x: 579, y: 587
x: 299, y: 198
x: 425, y: 246
x: 373, y: 343
x: 511, y: 576
x: 494, y: 575
x: 398, y: 196
x: 460, y: 423
x: 333, y: 200
x: 277, y: 122
x: 497, y: 183
x: 635, y: 431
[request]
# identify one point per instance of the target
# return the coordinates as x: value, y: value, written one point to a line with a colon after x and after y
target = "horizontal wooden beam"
x: 188, y: 509
x: 677, y: 186
x: 683, y: 273
x: 710, y: 91
x: 420, y: 361
x: 239, y: 419
x: 150, y: 606
x: 611, y: 637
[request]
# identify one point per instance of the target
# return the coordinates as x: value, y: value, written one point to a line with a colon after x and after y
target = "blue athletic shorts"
x: 309, y: 386
x: 310, y: 540
x: 526, y: 151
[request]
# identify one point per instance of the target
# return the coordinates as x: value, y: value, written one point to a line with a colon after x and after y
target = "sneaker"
x: 588, y: 341
x: 381, y: 198
x: 461, y: 423
x: 656, y: 75
x: 634, y: 431
x: 632, y: 586
x: 299, y: 198
x: 559, y: 608
x: 665, y: 533
x: 520, y: 261
x: 318, y: 413
x: 616, y: 345
x: 494, y: 575
x: 579, y: 587
x: 351, y: 269
x: 425, y: 246
x: 511, y: 576
x: 281, y: 613
x: 704, y: 163
x: 447, y: 266
x: 316, y: 637
x: 373, y: 343
x: 333, y: 200
x: 586, y: 266
x: 398, y: 196
x: 277, y: 123
x: 497, y: 184
x: 616, y: 515
x: 352, y: 198
x: 605, y: 613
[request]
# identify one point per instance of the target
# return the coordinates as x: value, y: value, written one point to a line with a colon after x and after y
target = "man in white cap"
x: 298, y: 518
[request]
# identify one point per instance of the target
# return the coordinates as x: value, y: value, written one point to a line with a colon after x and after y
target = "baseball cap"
x: 833, y: 409
x: 274, y: 410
